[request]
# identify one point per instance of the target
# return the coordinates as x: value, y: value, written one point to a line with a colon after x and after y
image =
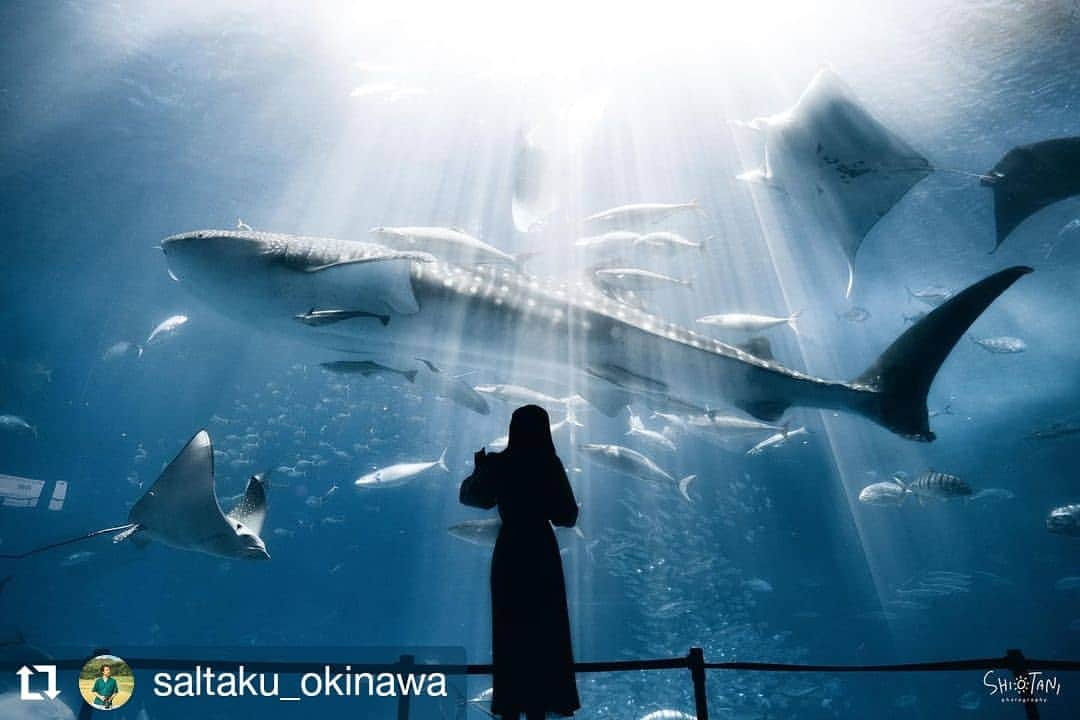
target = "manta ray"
x: 1031, y: 177
x: 512, y: 323
x: 180, y: 510
x: 837, y: 162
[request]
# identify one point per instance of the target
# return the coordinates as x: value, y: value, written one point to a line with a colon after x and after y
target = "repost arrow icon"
x: 49, y: 670
x: 24, y: 674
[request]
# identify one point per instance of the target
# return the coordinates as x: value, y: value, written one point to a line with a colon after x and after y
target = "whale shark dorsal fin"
x: 180, y: 508
x: 251, y: 510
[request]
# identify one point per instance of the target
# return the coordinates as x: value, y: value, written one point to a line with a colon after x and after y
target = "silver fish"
x: 748, y: 322
x: 632, y: 463
x: 1064, y: 520
x: 399, y: 474
x: 166, y: 327
x: 932, y: 296
x: 636, y: 279
x: 1003, y: 344
x: 884, y: 494
x: 642, y: 212
x: 450, y: 244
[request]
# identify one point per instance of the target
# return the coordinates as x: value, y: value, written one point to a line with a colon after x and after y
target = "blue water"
x: 122, y: 125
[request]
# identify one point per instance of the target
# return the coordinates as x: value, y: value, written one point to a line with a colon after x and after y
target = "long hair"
x: 530, y: 431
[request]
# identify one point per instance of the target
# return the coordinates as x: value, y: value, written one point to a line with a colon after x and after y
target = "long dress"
x: 530, y: 628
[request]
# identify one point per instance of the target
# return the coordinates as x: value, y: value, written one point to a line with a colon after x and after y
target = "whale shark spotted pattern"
x: 502, y: 319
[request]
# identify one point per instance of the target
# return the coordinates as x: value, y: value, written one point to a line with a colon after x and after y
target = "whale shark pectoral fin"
x: 376, y: 285
x: 621, y: 377
x: 603, y: 395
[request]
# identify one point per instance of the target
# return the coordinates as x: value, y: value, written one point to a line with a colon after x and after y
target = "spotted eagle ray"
x: 180, y: 510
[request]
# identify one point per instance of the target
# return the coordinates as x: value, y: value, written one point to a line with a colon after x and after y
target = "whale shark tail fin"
x: 901, y: 376
x: 442, y: 460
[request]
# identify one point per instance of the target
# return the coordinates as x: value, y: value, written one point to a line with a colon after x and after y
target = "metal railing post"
x: 696, y: 662
x: 405, y: 663
x: 1019, y: 668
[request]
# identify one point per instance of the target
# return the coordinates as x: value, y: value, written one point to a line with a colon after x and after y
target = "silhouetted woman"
x: 530, y: 625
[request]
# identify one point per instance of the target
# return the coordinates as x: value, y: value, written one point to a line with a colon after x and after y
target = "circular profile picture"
x: 106, y: 682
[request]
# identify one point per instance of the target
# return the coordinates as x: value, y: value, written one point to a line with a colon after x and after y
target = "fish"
x: 676, y: 421
x: 449, y: 244
x: 180, y: 510
x: 638, y: 430
x: 325, y: 317
x: 121, y: 349
x: 453, y: 388
x: 15, y: 424
x: 758, y: 585
x: 77, y: 558
x: 1064, y: 520
x: 969, y: 701
x: 518, y: 395
x: 1056, y: 429
x: 486, y: 316
x: 399, y: 474
x: 830, y: 156
x: 750, y: 323
x: 938, y: 485
x: 1068, y: 584
x: 367, y: 368
x: 776, y: 440
x: 669, y: 241
x: 1029, y: 178
x: 1001, y: 345
x: 884, y: 494
x: 641, y: 212
x: 614, y: 241
x: 166, y: 327
x: 668, y: 715
x: 485, y: 531
x: 993, y: 495
x: 631, y: 462
x: 636, y: 279
x: 856, y: 314
x: 932, y: 296
x: 729, y: 425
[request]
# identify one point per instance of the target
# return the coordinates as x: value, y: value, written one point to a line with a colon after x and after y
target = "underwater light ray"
x: 772, y: 237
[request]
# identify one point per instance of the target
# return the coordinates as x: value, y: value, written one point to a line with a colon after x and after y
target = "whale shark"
x: 499, y: 319
x: 180, y: 510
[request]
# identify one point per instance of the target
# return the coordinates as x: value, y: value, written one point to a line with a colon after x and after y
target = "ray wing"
x: 251, y: 510
x: 1031, y: 177
x: 838, y: 161
x: 180, y: 509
